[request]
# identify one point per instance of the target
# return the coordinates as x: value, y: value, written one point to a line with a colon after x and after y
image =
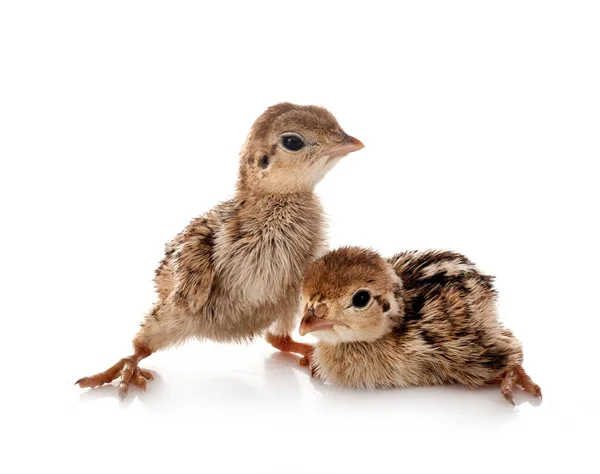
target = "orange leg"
x: 287, y: 344
x: 127, y: 368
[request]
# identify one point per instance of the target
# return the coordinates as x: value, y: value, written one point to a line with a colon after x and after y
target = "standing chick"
x: 235, y: 272
x: 418, y: 318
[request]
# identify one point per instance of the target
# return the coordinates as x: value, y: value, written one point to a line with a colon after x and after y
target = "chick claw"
x: 507, y: 384
x: 127, y: 368
x: 518, y: 376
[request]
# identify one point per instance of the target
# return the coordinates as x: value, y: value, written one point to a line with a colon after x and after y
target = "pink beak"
x: 310, y: 322
x: 348, y: 145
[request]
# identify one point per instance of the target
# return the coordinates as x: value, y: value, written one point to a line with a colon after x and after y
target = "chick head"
x: 350, y: 294
x: 290, y: 148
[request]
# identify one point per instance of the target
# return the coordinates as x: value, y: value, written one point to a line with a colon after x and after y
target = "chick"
x: 418, y: 318
x: 235, y: 272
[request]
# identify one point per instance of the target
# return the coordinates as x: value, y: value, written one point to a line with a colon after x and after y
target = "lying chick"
x: 418, y: 318
x: 236, y: 271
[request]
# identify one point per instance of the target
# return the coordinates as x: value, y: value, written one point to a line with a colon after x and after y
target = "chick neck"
x: 245, y: 190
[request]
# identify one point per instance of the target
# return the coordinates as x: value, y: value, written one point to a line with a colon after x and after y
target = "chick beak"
x: 347, y: 145
x: 311, y: 322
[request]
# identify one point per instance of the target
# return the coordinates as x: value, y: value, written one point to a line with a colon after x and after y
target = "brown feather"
x: 441, y: 327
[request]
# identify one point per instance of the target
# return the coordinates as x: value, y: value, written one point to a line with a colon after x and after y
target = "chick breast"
x: 236, y: 270
x: 449, y: 332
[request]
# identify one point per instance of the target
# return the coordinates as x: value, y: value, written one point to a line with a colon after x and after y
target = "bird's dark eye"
x: 292, y: 142
x: 361, y: 299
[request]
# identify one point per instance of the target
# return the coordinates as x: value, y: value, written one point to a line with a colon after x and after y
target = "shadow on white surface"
x: 284, y: 383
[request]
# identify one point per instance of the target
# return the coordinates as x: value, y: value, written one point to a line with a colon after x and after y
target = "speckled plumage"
x: 235, y: 272
x: 431, y: 320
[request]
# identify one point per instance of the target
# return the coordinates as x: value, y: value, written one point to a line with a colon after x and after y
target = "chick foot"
x: 287, y: 344
x: 518, y: 376
x: 127, y: 368
x: 525, y: 381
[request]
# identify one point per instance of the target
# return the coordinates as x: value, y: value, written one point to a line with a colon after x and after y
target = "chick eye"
x: 292, y: 142
x: 361, y: 299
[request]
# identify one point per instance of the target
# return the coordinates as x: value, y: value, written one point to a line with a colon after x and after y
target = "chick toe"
x: 146, y: 374
x: 101, y: 378
x: 524, y: 380
x: 127, y: 368
x: 507, y: 385
x: 139, y: 381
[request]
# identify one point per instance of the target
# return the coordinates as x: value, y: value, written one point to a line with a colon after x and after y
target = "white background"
x: 120, y: 121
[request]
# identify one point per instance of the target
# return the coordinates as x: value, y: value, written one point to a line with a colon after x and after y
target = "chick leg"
x: 279, y: 337
x: 285, y: 343
x: 507, y: 384
x: 166, y: 324
x: 525, y: 381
